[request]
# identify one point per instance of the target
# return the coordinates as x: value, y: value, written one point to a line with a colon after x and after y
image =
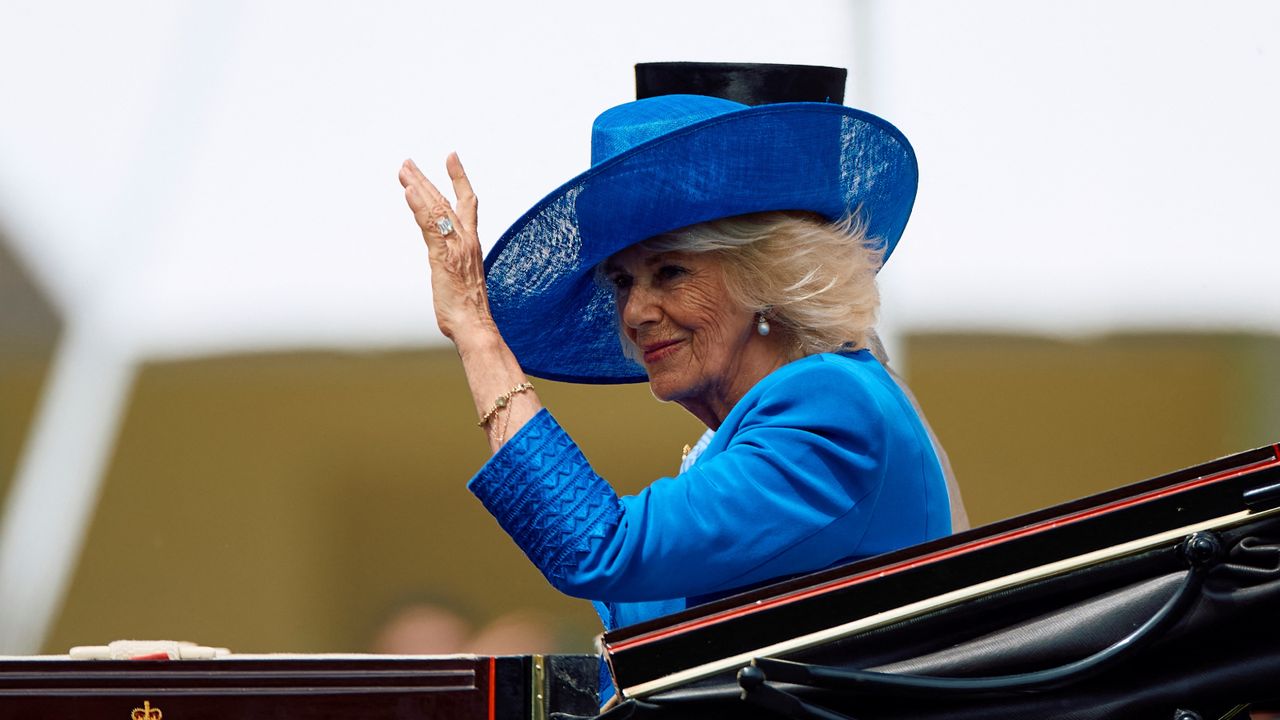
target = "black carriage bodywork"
x: 1145, y: 601
x: 372, y: 687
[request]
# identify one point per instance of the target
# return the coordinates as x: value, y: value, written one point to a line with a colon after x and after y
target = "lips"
x: 656, y: 351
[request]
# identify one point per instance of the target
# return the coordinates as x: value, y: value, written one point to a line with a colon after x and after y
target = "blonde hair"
x: 814, y: 279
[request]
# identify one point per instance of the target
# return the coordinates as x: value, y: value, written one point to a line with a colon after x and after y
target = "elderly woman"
x: 728, y: 255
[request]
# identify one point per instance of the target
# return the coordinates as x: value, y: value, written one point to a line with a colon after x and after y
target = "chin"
x: 663, y: 390
x: 658, y: 393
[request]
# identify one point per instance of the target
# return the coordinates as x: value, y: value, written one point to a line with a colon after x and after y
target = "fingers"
x: 467, y: 202
x: 426, y: 202
x: 411, y: 176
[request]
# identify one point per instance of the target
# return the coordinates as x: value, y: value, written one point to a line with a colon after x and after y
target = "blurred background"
x: 227, y: 416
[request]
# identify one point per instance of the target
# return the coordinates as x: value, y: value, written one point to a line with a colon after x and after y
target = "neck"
x: 757, y: 360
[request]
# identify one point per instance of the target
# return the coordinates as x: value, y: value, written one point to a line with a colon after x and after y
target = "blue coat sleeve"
x: 792, y: 490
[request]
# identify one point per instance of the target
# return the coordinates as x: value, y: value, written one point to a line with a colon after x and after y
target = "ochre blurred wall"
x: 289, y: 502
x: 1029, y: 422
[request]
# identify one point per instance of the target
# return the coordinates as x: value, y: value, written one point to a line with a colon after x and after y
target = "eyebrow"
x: 610, y: 267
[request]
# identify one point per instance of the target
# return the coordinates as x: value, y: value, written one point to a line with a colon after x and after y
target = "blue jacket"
x: 823, y: 461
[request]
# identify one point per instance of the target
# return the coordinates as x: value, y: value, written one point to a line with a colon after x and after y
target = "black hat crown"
x: 747, y: 83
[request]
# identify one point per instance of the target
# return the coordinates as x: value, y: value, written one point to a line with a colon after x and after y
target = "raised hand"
x: 453, y: 249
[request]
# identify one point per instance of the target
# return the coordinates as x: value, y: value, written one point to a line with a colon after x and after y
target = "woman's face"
x: 698, y: 346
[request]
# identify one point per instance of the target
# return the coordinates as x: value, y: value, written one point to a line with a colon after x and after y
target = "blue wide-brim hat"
x: 665, y: 163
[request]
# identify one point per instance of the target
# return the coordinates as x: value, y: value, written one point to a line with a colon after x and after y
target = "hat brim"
x: 829, y: 159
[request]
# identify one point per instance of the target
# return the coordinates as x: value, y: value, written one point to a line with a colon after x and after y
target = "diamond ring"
x: 444, y: 226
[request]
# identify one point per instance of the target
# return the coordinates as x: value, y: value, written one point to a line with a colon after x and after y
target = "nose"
x: 638, y: 307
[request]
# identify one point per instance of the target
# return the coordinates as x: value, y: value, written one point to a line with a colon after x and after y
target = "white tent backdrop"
x: 1085, y: 166
x: 203, y: 177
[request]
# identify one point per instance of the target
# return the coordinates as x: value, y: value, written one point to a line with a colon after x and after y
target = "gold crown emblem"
x: 146, y: 712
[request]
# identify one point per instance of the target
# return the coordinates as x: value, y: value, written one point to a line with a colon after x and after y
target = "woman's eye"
x: 620, y: 281
x: 667, y: 272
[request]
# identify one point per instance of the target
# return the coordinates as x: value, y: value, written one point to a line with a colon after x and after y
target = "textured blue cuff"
x: 545, y: 495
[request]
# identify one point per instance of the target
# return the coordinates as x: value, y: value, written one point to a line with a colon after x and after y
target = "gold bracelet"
x: 502, y: 401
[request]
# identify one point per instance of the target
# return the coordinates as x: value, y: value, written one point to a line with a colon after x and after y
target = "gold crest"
x: 146, y: 712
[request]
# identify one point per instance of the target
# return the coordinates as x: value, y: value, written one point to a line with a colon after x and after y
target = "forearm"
x: 503, y: 401
x: 543, y: 492
x: 492, y: 372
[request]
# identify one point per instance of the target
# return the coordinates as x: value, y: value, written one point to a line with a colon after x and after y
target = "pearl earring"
x: 762, y: 324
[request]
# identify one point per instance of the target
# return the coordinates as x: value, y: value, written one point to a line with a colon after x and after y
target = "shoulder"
x: 859, y: 366
x: 823, y: 381
x: 842, y: 399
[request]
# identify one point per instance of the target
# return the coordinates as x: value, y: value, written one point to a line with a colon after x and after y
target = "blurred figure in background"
x: 425, y: 628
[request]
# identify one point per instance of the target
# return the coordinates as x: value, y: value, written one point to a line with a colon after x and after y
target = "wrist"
x: 480, y: 339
